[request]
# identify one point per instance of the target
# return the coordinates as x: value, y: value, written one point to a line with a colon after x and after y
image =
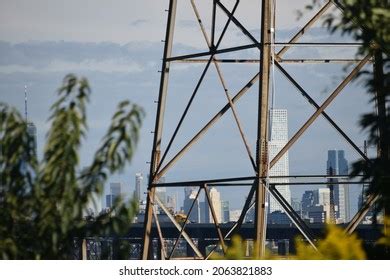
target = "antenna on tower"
x: 25, y: 102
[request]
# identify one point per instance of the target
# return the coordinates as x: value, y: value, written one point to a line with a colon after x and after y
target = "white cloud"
x: 104, y: 66
x: 122, y: 21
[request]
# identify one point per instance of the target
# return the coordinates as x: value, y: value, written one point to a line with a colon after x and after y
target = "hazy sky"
x: 117, y: 46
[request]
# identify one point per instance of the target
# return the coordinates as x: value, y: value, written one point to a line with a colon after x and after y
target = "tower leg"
x: 155, y: 158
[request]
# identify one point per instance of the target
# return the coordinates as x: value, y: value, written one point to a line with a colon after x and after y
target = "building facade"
x: 225, y: 211
x: 339, y: 192
x: 138, y: 183
x: 189, y: 200
x: 215, y: 197
x: 115, y: 192
x: 278, y: 139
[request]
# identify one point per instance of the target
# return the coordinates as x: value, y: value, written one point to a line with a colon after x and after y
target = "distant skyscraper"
x: 161, y: 192
x: 296, y: 204
x: 171, y: 203
x: 115, y: 192
x: 339, y: 193
x: 215, y: 197
x: 138, y: 182
x: 31, y: 128
x: 225, y: 211
x: 323, y: 196
x: 189, y: 197
x: 308, y: 200
x: 234, y: 215
x: 278, y: 139
x: 32, y: 144
x: 202, y: 211
x: 32, y: 132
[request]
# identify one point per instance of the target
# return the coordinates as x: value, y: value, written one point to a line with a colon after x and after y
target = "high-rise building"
x: 318, y: 214
x: 215, y: 198
x: 171, y: 203
x: 138, y: 183
x: 115, y: 192
x: 278, y: 139
x: 339, y: 193
x: 189, y: 199
x: 225, y: 211
x: 296, y: 205
x: 323, y: 196
x: 32, y: 146
x: 161, y: 192
x: 316, y: 205
x: 234, y: 215
x: 308, y: 201
x: 202, y: 211
x: 32, y: 132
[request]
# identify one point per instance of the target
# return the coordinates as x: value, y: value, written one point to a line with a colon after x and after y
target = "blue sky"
x: 117, y: 46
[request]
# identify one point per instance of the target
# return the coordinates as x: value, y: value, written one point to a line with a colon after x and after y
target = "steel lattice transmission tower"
x: 257, y: 177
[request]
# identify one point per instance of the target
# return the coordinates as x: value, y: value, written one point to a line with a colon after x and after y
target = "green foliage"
x: 43, y: 203
x: 239, y: 250
x: 366, y: 21
x: 385, y: 239
x: 236, y: 251
x: 336, y: 246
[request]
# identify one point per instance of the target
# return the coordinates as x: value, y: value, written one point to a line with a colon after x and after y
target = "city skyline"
x: 119, y: 69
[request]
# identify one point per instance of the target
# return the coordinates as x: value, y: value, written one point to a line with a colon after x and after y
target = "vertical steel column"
x: 262, y: 129
x: 155, y: 158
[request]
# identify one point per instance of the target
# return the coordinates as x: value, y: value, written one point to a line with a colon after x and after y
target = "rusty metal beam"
x: 222, y: 80
x: 319, y: 111
x: 208, y: 53
x: 215, y: 219
x: 302, y: 31
x: 290, y: 61
x: 184, y: 224
x: 294, y: 217
x: 324, y: 114
x: 179, y: 227
x: 236, y: 227
x: 155, y: 157
x: 240, y: 26
x: 262, y: 129
x: 160, y: 235
x: 198, y: 183
x: 210, y: 124
x: 359, y: 216
x: 195, y: 90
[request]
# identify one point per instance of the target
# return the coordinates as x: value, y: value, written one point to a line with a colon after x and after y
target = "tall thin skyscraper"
x: 138, y: 182
x: 31, y: 128
x: 161, y: 192
x: 115, y: 192
x: 32, y: 132
x: 278, y: 139
x: 189, y: 197
x: 215, y: 197
x: 339, y: 193
x: 225, y: 211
